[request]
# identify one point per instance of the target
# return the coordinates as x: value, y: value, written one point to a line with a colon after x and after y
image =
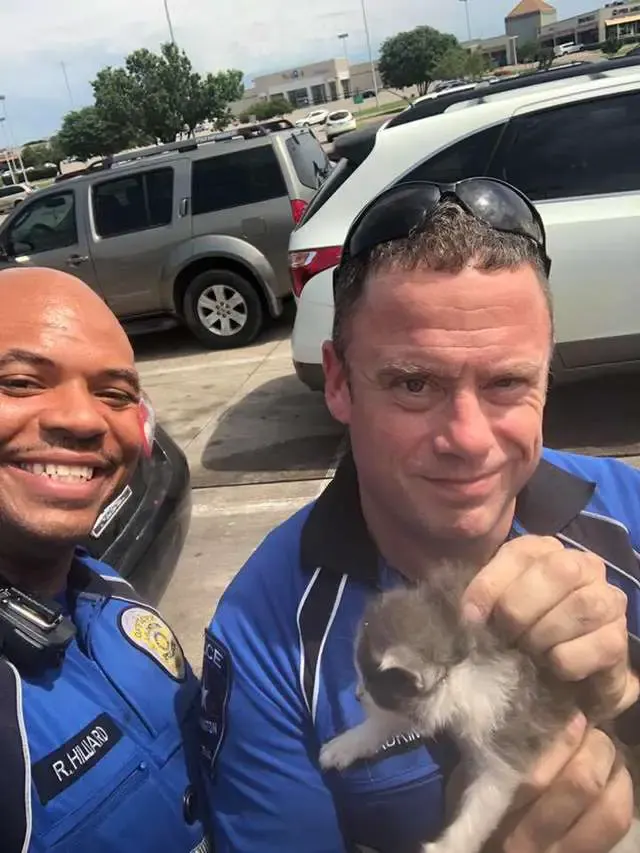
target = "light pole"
x: 466, y: 9
x: 11, y: 141
x: 371, y: 63
x: 169, y: 24
x: 343, y: 38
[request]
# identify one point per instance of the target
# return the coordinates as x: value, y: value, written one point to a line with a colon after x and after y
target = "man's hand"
x: 557, y: 604
x: 578, y: 799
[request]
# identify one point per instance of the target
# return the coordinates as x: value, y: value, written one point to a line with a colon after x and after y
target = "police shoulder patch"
x: 214, y: 698
x: 148, y: 632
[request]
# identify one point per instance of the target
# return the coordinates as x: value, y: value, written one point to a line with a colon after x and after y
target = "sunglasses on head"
x: 398, y: 211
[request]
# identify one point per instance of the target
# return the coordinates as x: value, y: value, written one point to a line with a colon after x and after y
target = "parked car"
x: 586, y: 186
x: 193, y: 232
x: 12, y: 195
x: 314, y: 117
x: 340, y: 121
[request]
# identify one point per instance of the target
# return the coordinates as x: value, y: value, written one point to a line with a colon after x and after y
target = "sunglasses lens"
x: 393, y: 217
x: 500, y: 207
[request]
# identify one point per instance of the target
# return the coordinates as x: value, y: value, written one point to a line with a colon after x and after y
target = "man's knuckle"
x: 585, y: 781
x: 566, y: 566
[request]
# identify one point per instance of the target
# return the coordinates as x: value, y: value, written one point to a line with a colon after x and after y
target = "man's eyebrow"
x: 25, y: 356
x: 36, y: 360
x: 125, y: 374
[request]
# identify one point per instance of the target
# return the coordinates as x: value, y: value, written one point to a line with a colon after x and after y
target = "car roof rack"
x: 192, y: 143
x: 438, y: 105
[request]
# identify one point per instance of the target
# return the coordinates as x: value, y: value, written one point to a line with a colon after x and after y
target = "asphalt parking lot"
x: 260, y: 445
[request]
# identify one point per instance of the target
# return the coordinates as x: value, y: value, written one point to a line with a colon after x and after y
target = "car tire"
x: 235, y: 302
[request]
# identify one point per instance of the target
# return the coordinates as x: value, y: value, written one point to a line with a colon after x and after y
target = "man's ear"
x: 337, y: 392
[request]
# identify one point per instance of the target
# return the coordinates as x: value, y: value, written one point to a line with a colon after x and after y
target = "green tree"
x: 56, y: 152
x: 453, y: 64
x: 264, y: 110
x: 157, y: 96
x: 477, y: 65
x: 545, y: 57
x: 84, y: 135
x: 528, y: 51
x: 411, y: 58
x: 36, y: 154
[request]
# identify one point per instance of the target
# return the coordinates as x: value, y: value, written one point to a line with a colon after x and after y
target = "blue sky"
x: 259, y: 36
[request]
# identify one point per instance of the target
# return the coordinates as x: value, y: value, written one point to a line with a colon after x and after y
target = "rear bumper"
x: 311, y: 374
x: 147, y: 551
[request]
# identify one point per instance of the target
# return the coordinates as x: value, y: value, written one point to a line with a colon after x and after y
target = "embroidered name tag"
x: 57, y: 771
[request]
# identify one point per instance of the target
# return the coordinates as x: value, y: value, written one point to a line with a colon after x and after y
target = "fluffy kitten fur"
x: 422, y: 668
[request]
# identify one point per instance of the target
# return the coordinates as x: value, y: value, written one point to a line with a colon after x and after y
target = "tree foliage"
x: 36, y: 155
x: 84, y: 135
x: 264, y: 110
x: 411, y: 58
x: 158, y: 95
x: 457, y: 63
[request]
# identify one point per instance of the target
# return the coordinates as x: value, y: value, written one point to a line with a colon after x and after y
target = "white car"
x: 12, y: 195
x: 314, y: 117
x: 569, y: 142
x: 340, y: 121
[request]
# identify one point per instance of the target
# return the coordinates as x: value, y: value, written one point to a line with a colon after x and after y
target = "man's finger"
x: 604, y: 651
x: 513, y: 558
x: 607, y: 823
x: 571, y: 795
x: 584, y: 610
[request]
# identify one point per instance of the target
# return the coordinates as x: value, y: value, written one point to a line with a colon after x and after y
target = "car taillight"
x: 304, y: 265
x: 298, y: 207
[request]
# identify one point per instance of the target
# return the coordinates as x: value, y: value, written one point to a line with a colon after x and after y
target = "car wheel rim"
x: 222, y: 310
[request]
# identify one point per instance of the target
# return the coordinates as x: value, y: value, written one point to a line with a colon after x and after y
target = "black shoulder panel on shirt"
x: 15, y: 778
x: 313, y: 621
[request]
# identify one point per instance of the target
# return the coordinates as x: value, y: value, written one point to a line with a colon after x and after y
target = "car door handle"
x: 184, y: 207
x: 76, y: 260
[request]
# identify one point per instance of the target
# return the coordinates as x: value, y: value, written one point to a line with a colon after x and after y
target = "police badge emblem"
x: 151, y: 634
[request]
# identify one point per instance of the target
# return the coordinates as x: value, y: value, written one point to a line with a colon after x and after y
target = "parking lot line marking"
x: 229, y: 362
x: 201, y: 510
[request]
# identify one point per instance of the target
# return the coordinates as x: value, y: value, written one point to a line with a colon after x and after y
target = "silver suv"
x: 195, y: 231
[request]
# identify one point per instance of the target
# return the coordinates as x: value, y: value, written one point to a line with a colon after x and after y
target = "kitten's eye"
x: 398, y: 681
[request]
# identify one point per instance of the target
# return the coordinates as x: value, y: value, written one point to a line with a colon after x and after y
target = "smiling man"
x: 438, y: 365
x: 96, y: 698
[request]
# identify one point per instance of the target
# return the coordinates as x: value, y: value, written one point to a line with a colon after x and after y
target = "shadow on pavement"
x: 180, y: 342
x: 599, y: 417
x: 281, y: 431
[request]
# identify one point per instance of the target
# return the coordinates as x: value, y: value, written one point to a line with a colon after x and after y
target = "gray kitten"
x: 422, y: 668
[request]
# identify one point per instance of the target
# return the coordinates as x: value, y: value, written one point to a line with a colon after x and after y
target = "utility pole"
x: 169, y: 24
x: 371, y: 62
x: 466, y: 9
x: 66, y: 80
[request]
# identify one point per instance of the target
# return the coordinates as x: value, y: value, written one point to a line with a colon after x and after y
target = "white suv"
x: 571, y: 144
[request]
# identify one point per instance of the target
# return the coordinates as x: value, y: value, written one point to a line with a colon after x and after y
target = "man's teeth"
x: 59, y: 472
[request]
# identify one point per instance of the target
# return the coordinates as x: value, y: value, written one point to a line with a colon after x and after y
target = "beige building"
x: 311, y: 85
x: 619, y: 20
x: 501, y: 50
x: 527, y: 18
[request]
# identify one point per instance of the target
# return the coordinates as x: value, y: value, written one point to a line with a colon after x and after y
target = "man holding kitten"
x: 438, y: 364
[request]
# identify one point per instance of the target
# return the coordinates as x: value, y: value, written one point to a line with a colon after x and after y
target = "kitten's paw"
x: 339, y: 753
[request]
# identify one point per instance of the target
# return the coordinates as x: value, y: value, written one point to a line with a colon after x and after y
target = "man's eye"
x: 415, y: 385
x: 117, y: 398
x: 507, y: 382
x: 19, y: 384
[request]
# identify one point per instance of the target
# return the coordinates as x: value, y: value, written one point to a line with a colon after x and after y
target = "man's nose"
x: 467, y: 430
x: 73, y: 410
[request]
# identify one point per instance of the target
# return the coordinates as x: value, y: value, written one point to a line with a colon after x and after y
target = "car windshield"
x: 339, y: 115
x: 309, y: 159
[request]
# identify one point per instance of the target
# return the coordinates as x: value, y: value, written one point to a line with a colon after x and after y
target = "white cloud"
x: 256, y: 36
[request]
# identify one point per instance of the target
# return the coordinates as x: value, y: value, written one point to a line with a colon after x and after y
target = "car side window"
x: 132, y: 203
x: 560, y: 153
x: 467, y: 158
x: 231, y: 180
x: 44, y: 225
x: 10, y: 190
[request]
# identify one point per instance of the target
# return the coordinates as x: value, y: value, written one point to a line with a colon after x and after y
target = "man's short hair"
x: 448, y: 241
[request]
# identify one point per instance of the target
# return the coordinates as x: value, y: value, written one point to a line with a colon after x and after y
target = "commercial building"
x: 618, y: 20
x: 311, y: 85
x: 500, y: 50
x: 525, y: 21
